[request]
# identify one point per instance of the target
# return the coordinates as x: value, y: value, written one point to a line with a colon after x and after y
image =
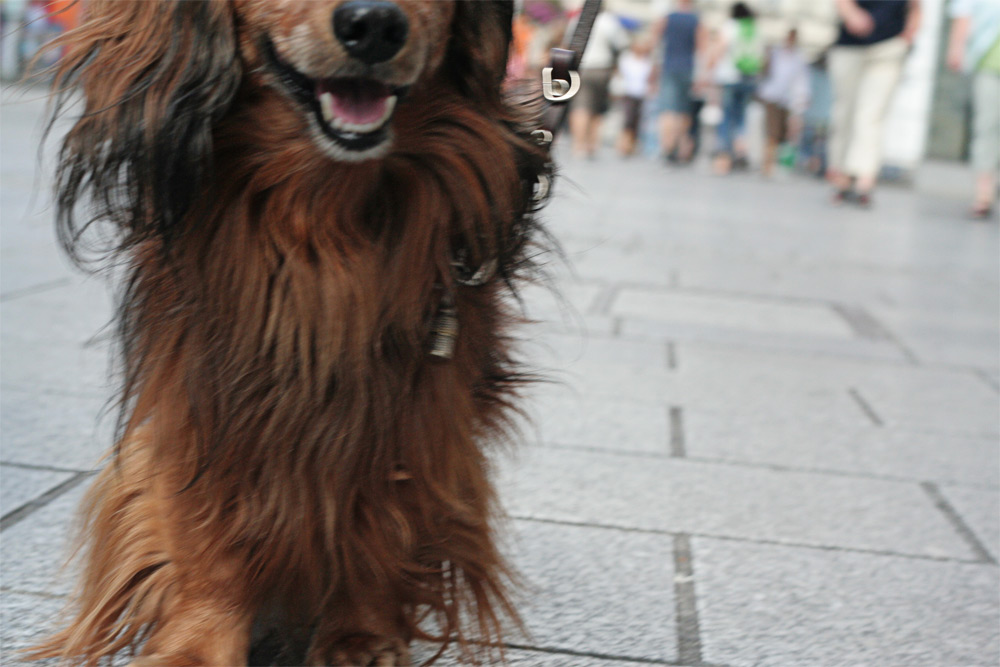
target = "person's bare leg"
x: 986, y: 185
x: 770, y: 157
x: 593, y: 134
x: 579, y: 119
x: 669, y: 132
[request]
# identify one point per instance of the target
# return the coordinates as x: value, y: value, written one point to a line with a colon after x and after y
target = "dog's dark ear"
x: 479, y: 46
x: 155, y: 75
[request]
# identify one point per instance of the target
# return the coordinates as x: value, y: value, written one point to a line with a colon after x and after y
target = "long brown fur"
x: 291, y: 460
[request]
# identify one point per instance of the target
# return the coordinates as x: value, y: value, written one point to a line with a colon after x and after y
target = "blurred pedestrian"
x: 608, y: 39
x: 816, y: 119
x: 784, y: 91
x: 635, y: 67
x: 737, y: 57
x: 865, y: 67
x: 974, y: 47
x: 682, y: 36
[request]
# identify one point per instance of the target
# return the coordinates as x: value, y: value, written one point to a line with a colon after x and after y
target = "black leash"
x: 561, y: 80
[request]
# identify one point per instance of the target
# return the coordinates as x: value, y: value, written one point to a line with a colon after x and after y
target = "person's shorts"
x: 675, y: 93
x: 775, y: 122
x: 632, y: 106
x: 594, y: 95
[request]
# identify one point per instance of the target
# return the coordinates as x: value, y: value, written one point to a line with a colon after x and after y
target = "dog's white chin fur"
x: 338, y: 153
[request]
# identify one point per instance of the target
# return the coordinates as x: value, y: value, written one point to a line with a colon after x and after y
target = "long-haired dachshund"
x: 320, y: 208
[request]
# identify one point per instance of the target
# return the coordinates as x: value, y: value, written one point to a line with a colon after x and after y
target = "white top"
x: 635, y: 71
x: 607, y: 38
x: 787, y: 82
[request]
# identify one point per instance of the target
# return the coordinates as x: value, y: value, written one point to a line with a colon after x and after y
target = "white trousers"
x: 986, y: 121
x: 864, y: 79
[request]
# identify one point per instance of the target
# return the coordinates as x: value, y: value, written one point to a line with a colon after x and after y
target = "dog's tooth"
x: 326, y: 106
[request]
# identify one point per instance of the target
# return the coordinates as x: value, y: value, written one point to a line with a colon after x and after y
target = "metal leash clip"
x: 560, y: 90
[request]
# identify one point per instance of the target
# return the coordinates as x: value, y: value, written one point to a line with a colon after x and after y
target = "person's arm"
x: 856, y: 20
x: 914, y: 15
x: 957, y: 39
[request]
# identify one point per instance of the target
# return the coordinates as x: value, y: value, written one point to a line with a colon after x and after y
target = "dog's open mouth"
x: 352, y: 111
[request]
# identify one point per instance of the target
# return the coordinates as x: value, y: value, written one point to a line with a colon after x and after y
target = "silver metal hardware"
x: 560, y: 90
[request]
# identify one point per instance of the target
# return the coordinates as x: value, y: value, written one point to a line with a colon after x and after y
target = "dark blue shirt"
x: 890, y: 20
x: 678, y: 56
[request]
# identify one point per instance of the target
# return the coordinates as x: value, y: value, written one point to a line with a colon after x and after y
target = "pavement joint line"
x: 671, y: 355
x: 911, y: 359
x: 15, y: 516
x: 955, y: 519
x: 862, y: 323
x: 987, y: 378
x: 688, y: 626
x: 40, y: 288
x: 865, y: 407
x: 599, y: 656
x: 750, y: 540
x: 44, y: 468
x: 677, y: 448
x: 775, y: 467
x: 605, y: 300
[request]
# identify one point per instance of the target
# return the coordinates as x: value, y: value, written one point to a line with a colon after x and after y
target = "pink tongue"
x: 357, y: 102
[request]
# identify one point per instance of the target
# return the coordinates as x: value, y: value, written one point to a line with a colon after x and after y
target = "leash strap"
x: 561, y: 80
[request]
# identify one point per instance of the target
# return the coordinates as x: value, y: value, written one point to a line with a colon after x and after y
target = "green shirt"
x: 991, y: 61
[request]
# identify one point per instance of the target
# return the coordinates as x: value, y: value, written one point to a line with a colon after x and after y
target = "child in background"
x: 784, y: 92
x: 635, y: 66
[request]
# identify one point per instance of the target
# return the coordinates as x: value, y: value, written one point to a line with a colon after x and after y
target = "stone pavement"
x: 772, y: 438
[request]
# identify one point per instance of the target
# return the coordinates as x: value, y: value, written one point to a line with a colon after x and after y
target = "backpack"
x: 747, y: 48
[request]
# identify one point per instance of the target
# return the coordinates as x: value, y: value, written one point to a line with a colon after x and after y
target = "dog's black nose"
x: 371, y: 30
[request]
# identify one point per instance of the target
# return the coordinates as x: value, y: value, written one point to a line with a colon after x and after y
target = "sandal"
x: 981, y: 212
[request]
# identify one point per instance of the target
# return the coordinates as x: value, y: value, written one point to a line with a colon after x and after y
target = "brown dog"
x: 321, y: 207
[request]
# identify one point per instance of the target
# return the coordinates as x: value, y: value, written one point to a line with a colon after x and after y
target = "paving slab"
x: 36, y: 550
x: 674, y: 495
x: 54, y: 430
x: 26, y: 619
x: 19, y: 485
x: 598, y: 591
x: 980, y: 510
x: 773, y: 605
x: 863, y: 449
x: 754, y: 315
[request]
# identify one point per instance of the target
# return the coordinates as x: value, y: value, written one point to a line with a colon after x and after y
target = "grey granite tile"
x: 76, y: 313
x: 742, y: 314
x: 728, y: 501
x: 65, y: 368
x: 795, y: 441
x: 54, y: 429
x: 26, y: 619
x: 774, y: 605
x: 35, y: 551
x: 980, y: 510
x: 597, y: 591
x: 20, y: 485
x: 605, y: 423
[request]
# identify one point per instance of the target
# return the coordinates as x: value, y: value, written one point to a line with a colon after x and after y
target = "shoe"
x: 981, y: 212
x: 841, y: 197
x: 863, y: 199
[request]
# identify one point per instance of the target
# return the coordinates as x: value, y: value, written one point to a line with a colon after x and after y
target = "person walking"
x: 635, y: 67
x: 974, y: 48
x: 737, y: 56
x: 608, y: 38
x: 866, y: 63
x: 784, y: 91
x: 682, y: 37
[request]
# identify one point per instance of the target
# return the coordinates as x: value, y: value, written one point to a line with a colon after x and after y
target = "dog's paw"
x: 371, y: 652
